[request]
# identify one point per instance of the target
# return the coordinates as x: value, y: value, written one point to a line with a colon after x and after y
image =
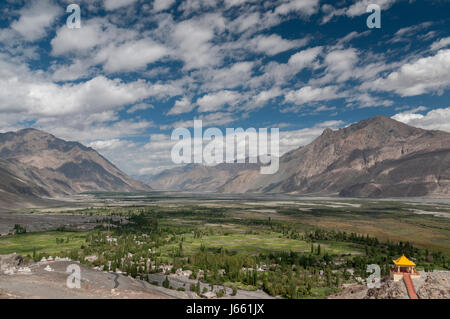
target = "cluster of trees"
x: 134, y: 248
x: 19, y: 229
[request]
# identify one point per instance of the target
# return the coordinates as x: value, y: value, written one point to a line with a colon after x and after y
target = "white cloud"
x: 263, y: 97
x: 139, y: 107
x: 274, y: 44
x: 109, y: 144
x: 281, y: 73
x: 306, y: 7
x: 229, y: 77
x: 442, y: 43
x: 405, y: 34
x: 360, y: 7
x: 429, y: 74
x: 309, y: 94
x: 303, y: 59
x: 131, y: 56
x: 214, y: 101
x: 190, y: 6
x: 210, y: 119
x: 70, y: 72
x: 181, y: 106
x: 32, y: 93
x: 340, y: 63
x: 35, y: 19
x: 361, y: 100
x: 161, y: 5
x: 115, y: 4
x: 95, y: 32
x: 193, y: 40
x: 76, y: 128
x: 438, y: 119
x: 233, y: 3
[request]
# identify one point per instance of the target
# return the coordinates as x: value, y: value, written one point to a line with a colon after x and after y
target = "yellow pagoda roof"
x: 403, y: 261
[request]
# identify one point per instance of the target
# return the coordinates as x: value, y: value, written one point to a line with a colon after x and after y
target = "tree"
x: 18, y: 229
x: 166, y: 283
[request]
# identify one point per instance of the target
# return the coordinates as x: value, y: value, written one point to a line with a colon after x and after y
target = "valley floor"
x: 230, y: 246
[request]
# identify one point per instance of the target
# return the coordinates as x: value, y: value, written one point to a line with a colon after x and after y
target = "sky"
x: 136, y: 70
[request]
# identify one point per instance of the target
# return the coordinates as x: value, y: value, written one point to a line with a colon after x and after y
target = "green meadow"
x: 43, y: 242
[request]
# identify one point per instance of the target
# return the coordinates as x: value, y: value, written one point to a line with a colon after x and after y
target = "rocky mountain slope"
x: 199, y: 178
x: 35, y: 164
x: 378, y: 157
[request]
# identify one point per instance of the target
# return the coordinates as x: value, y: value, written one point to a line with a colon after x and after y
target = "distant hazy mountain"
x: 199, y: 178
x: 36, y: 164
x: 378, y: 157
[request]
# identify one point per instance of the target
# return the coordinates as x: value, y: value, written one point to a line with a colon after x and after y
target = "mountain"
x: 35, y: 164
x: 199, y: 178
x: 378, y: 157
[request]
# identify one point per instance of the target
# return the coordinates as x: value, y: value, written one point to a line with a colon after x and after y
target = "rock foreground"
x: 48, y: 280
x: 430, y: 285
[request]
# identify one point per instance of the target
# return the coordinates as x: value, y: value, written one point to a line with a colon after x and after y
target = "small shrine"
x: 403, y: 266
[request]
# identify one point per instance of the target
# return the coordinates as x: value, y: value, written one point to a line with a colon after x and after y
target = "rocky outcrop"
x: 430, y: 285
x: 435, y: 286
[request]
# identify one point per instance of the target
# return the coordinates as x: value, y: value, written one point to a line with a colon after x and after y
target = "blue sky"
x: 136, y: 70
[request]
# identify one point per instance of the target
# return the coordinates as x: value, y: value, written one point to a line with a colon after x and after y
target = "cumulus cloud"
x: 238, y: 74
x: 35, y: 19
x: 215, y: 101
x: 303, y: 59
x: 29, y: 92
x: 139, y: 107
x: 280, y: 73
x: 109, y: 144
x: 96, y: 32
x: 116, y: 4
x: 429, y: 74
x: 131, y: 56
x: 306, y: 7
x: 161, y: 5
x: 309, y: 94
x: 274, y: 44
x: 181, y: 106
x: 437, y: 119
x: 440, y: 44
x: 263, y: 97
x: 340, y: 63
x: 193, y: 39
x: 358, y: 8
x: 219, y: 61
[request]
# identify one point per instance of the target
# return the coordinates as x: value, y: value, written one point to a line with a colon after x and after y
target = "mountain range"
x: 378, y: 157
x: 36, y: 165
